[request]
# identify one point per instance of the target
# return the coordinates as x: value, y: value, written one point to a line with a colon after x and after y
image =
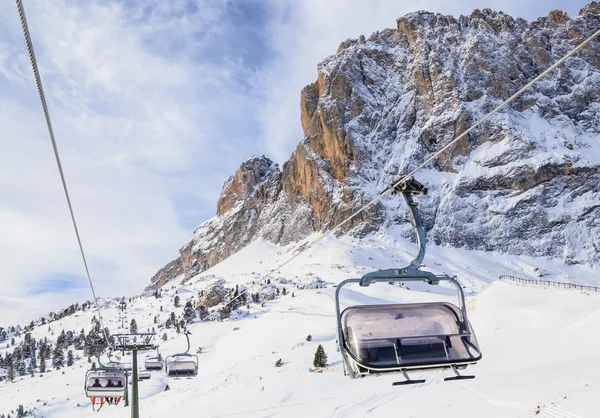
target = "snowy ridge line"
x: 564, y: 285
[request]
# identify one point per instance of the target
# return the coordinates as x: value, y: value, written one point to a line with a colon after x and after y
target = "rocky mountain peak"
x: 526, y: 182
x: 245, y: 182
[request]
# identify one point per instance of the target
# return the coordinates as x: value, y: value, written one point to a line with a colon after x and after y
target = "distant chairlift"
x: 182, y: 364
x: 396, y: 338
x: 144, y: 375
x: 153, y: 363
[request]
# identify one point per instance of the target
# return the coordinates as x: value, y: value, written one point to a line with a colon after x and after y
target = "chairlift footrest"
x: 408, y: 382
x: 461, y: 377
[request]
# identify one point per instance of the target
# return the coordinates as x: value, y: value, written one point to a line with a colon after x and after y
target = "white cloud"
x: 140, y: 99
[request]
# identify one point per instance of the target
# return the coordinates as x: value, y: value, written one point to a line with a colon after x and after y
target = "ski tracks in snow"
x: 363, y: 407
x: 291, y: 389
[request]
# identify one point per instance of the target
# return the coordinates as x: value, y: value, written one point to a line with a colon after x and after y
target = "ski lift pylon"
x: 414, y: 336
x: 182, y: 364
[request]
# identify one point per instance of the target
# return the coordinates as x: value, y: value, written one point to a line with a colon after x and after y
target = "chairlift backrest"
x: 182, y: 365
x: 105, y: 383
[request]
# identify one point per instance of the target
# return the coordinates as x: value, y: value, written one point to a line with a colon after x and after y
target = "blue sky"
x: 154, y: 105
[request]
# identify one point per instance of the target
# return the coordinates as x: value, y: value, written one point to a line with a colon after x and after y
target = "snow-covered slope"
x: 537, y: 343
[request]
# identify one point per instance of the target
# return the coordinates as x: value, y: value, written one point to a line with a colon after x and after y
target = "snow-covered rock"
x: 525, y: 182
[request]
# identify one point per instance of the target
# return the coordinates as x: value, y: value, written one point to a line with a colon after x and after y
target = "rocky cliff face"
x: 526, y: 182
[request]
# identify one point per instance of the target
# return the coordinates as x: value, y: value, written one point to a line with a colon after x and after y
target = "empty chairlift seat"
x: 153, y: 363
x: 144, y: 375
x: 182, y: 365
x: 383, y: 338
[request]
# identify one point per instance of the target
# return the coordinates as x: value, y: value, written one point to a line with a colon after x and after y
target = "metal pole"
x: 126, y: 390
x: 135, y: 407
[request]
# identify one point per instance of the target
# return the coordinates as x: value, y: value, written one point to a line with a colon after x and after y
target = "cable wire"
x: 38, y: 82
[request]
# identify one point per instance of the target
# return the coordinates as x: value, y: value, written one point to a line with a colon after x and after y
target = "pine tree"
x: 178, y: 329
x: 58, y: 357
x: 42, y: 365
x: 277, y: 289
x: 32, y: 357
x: 156, y: 319
x: 278, y: 363
x: 30, y: 368
x: 161, y: 308
x: 11, y: 373
x: 61, y: 340
x: 224, y: 312
x: 20, y: 367
x: 69, y: 339
x: 320, y: 357
x: 70, y: 358
x: 164, y: 337
x: 284, y: 291
x: 133, y: 328
x: 202, y: 312
x: 176, y: 301
x: 309, y: 337
x: 188, y: 312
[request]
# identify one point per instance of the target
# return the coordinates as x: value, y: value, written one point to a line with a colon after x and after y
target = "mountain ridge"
x: 525, y: 183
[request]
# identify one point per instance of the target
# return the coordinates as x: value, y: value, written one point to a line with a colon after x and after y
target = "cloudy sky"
x: 154, y: 104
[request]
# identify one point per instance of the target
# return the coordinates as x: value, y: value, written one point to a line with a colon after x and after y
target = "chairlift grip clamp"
x: 408, y: 187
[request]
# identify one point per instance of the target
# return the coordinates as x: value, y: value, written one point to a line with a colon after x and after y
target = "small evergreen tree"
x: 176, y: 301
x: 156, y: 319
x: 188, y: 312
x: 69, y: 339
x: 133, y: 328
x: 202, y: 312
x: 20, y: 367
x: 278, y: 363
x: 277, y: 289
x: 164, y: 337
x: 284, y: 291
x: 58, y: 357
x: 42, y: 365
x: 309, y: 337
x: 61, y: 339
x: 10, y: 376
x: 70, y: 358
x: 320, y: 357
x: 224, y: 312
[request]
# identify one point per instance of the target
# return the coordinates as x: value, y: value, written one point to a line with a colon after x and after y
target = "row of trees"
x: 31, y: 356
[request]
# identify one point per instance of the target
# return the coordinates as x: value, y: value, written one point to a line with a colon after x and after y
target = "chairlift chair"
x: 105, y: 385
x: 153, y: 363
x: 144, y: 375
x: 182, y: 364
x: 396, y: 338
